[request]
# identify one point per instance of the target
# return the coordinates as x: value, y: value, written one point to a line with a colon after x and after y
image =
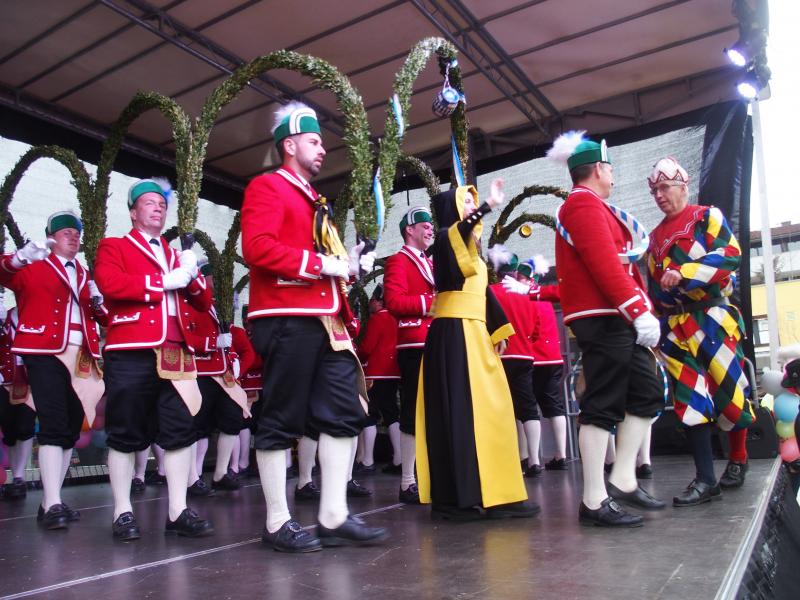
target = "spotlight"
x: 736, y: 54
x: 747, y: 88
x: 755, y: 80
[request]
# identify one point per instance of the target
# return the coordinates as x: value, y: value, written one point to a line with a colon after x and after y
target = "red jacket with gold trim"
x: 129, y: 277
x: 593, y: 281
x: 44, y: 304
x: 377, y: 348
x: 201, y: 333
x: 524, y: 316
x: 8, y: 364
x: 278, y: 246
x: 408, y: 292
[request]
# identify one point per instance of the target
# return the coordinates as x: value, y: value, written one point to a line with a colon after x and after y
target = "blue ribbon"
x: 380, y: 208
x: 397, y: 109
x: 460, y: 180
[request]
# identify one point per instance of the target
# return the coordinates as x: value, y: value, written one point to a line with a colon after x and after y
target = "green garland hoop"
x: 429, y: 179
x: 502, y: 230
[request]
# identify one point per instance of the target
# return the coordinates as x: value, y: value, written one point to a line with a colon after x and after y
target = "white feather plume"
x: 166, y: 187
x: 565, y: 145
x: 540, y: 264
x: 789, y: 352
x: 499, y: 255
x: 285, y: 111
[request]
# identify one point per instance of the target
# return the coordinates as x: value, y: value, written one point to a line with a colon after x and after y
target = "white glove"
x: 648, y: 330
x: 515, y: 287
x: 94, y: 292
x: 32, y: 251
x: 224, y: 340
x: 236, y: 368
x: 188, y: 260
x: 496, y: 195
x: 335, y: 267
x: 176, y: 279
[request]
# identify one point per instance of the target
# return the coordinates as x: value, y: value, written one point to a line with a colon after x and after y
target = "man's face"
x: 605, y: 179
x: 68, y: 242
x: 308, y: 151
x: 420, y: 235
x: 522, y: 278
x: 671, y: 197
x: 149, y: 212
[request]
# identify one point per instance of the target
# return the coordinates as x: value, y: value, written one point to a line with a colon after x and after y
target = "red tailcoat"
x: 524, y: 316
x: 7, y: 362
x: 201, y: 333
x: 547, y: 347
x: 44, y: 301
x: 408, y: 294
x: 592, y: 279
x: 244, y: 350
x: 377, y: 349
x: 129, y: 277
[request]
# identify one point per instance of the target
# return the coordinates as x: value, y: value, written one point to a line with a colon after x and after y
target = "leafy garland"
x: 502, y: 231
x: 358, y: 293
x: 14, y: 232
x: 429, y: 179
x: 223, y: 274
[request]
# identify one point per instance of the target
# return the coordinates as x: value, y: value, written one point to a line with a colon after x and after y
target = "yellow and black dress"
x: 467, y: 453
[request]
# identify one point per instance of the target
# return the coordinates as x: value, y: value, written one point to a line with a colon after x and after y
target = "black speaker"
x: 762, y: 439
x: 669, y: 435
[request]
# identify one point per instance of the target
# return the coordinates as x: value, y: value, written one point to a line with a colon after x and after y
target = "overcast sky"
x: 779, y: 116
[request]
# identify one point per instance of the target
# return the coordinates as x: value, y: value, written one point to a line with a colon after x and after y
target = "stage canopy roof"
x: 531, y: 68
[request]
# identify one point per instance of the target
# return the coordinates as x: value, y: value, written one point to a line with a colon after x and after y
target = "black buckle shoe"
x: 454, y: 513
x: 410, y: 495
x: 392, y: 469
x: 153, y: 478
x: 514, y: 510
x: 557, y: 464
x: 353, y: 532
x: 16, y: 490
x: 364, y: 470
x: 189, y: 524
x: 138, y: 485
x: 697, y: 492
x: 644, y: 471
x: 356, y: 490
x: 291, y: 538
x: 734, y: 474
x: 55, y: 517
x: 72, y: 514
x: 533, y: 471
x: 610, y: 514
x: 637, y: 497
x: 199, y: 489
x: 227, y: 483
x: 308, y: 492
x: 125, y: 528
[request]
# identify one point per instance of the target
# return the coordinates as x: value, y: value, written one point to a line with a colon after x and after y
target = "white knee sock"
x: 368, y: 437
x: 158, y: 452
x: 335, y: 462
x: 51, y: 469
x: 272, y: 470
x: 630, y: 434
x: 408, y: 452
x: 202, y: 448
x: 559, y: 425
x: 289, y: 459
x: 643, y: 457
x: 66, y: 460
x: 120, y: 473
x: 593, y: 442
x: 244, y: 449
x: 20, y: 458
x: 353, y: 454
x: 394, y: 438
x: 140, y: 463
x: 533, y: 433
x: 177, y: 464
x: 233, y: 463
x: 225, y: 443
x: 522, y: 442
x: 306, y: 457
x: 611, y: 450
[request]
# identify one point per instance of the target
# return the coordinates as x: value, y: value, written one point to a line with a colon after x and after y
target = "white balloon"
x: 771, y: 382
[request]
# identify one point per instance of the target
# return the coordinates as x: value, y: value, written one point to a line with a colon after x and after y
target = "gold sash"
x: 176, y: 364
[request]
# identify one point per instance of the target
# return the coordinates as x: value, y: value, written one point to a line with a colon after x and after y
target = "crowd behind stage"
x: 459, y: 372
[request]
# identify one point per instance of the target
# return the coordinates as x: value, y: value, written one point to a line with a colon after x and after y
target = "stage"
x: 695, y: 552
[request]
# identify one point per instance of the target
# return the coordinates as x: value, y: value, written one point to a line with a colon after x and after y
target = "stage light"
x: 747, y: 88
x: 755, y: 80
x: 736, y: 54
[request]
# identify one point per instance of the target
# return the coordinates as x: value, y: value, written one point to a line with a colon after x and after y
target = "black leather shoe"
x: 392, y: 469
x: 533, y: 471
x: 515, y: 510
x: 410, y: 495
x: 189, y: 524
x: 227, y: 483
x: 16, y: 490
x: 199, y: 489
x: 308, y: 492
x: 698, y: 492
x: 125, y: 528
x: 353, y: 532
x: 153, y: 478
x: 291, y: 538
x: 72, y: 514
x: 637, y: 497
x: 734, y: 474
x: 610, y: 514
x: 356, y: 490
x: 55, y: 517
x: 453, y: 513
x: 644, y: 471
x: 364, y: 470
x: 557, y: 464
x: 138, y: 485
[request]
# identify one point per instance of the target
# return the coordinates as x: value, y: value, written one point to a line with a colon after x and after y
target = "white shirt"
x: 75, y: 337
x: 158, y: 250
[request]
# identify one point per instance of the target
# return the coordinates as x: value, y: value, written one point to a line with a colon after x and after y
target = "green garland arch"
x: 429, y: 179
x: 502, y: 230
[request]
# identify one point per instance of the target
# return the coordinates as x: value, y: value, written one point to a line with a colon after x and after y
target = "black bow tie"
x: 154, y: 241
x: 69, y: 263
